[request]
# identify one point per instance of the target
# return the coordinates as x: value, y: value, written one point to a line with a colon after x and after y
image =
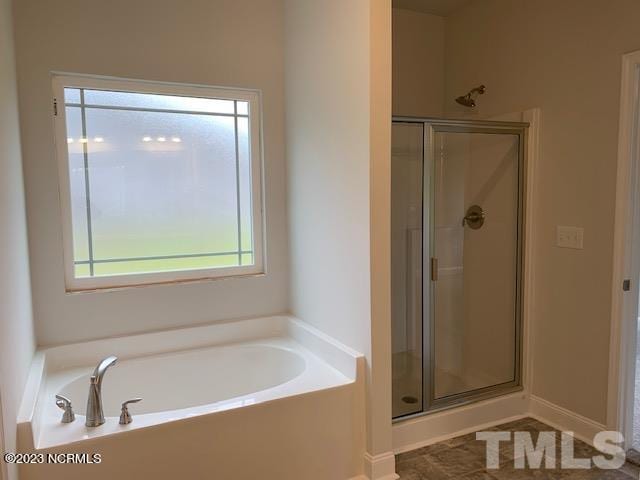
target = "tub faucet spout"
x: 95, y: 414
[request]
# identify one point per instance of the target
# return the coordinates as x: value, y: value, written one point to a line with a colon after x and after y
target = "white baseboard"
x: 380, y: 467
x: 436, y: 427
x: 562, y: 419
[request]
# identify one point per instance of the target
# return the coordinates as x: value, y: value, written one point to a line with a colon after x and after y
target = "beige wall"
x: 418, y: 63
x: 338, y: 144
x: 564, y: 57
x: 16, y: 328
x: 214, y: 42
x: 327, y: 133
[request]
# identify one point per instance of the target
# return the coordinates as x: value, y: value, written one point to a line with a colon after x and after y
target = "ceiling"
x: 442, y: 8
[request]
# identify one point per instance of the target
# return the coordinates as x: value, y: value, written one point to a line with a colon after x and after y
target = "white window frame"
x: 61, y: 81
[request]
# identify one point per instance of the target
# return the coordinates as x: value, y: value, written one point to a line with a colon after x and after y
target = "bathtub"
x: 261, y: 398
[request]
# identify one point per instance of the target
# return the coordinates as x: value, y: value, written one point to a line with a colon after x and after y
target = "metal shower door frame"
x: 431, y: 126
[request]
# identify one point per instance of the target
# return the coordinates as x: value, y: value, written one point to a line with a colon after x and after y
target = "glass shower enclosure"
x: 456, y: 220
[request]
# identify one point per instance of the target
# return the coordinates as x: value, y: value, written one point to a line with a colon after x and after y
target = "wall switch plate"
x: 569, y: 237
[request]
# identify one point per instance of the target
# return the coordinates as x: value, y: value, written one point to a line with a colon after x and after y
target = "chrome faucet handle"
x: 65, y: 404
x: 125, y: 416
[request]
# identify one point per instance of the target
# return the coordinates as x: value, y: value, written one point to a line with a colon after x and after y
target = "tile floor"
x: 464, y: 458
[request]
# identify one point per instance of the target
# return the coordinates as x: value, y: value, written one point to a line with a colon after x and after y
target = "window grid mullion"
x: 153, y: 110
x: 162, y: 257
x: 85, y: 151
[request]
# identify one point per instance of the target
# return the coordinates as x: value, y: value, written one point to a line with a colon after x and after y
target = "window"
x: 159, y: 182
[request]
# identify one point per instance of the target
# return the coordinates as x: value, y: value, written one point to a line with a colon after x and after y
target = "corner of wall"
x: 379, y: 442
x: 17, y: 341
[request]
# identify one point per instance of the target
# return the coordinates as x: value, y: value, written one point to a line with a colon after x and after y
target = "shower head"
x: 468, y: 100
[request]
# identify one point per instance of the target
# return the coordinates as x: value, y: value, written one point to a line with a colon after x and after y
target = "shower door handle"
x: 474, y: 217
x: 434, y: 269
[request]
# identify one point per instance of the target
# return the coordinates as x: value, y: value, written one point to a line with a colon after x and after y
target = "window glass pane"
x: 77, y: 181
x: 82, y: 270
x: 153, y: 196
x: 72, y: 95
x: 163, y: 102
x: 243, y: 108
x: 245, y: 184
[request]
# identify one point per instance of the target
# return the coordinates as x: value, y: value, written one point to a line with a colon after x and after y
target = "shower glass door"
x: 475, y: 257
x: 471, y: 185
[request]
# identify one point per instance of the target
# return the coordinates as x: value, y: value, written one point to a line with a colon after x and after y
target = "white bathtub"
x: 221, y: 401
x: 192, y: 378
